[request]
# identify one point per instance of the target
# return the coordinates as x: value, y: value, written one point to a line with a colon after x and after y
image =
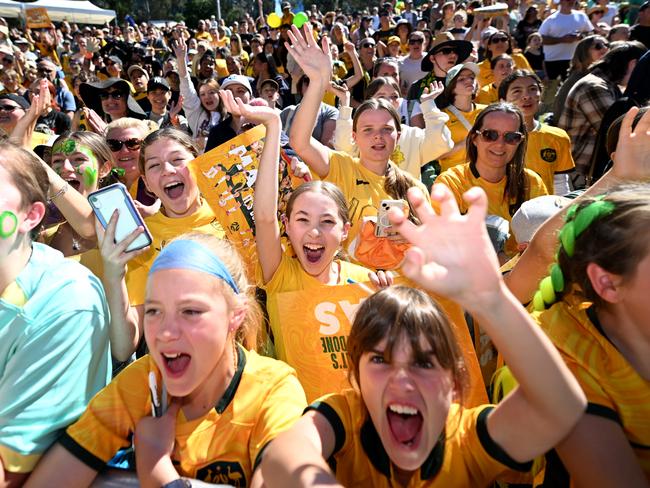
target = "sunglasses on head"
x: 416, y: 41
x: 491, y: 135
x: 601, y: 45
x: 115, y: 95
x: 447, y: 51
x: 367, y: 44
x: 496, y: 40
x: 115, y: 144
x: 8, y: 108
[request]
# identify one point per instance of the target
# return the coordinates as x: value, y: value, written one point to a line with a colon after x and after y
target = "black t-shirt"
x: 383, y: 35
x: 220, y: 133
x: 54, y: 122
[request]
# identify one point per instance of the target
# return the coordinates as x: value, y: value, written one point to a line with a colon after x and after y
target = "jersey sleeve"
x: 48, y: 381
x: 565, y: 161
x: 336, y: 410
x: 281, y: 408
x: 109, y: 421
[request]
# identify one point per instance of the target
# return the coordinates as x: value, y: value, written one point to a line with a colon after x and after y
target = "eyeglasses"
x: 8, y: 108
x: 115, y: 95
x: 496, y: 40
x: 416, y: 41
x: 447, y: 51
x: 601, y: 45
x: 491, y: 135
x: 132, y: 144
x: 367, y: 44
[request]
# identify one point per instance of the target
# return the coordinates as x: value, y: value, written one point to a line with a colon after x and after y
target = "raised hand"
x: 176, y: 108
x: 257, y: 114
x: 432, y: 91
x: 114, y: 254
x: 180, y: 49
x: 314, y: 61
x: 341, y: 92
x: 451, y: 254
x: 632, y: 156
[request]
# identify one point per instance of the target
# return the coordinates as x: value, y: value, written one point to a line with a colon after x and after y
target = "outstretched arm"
x: 452, y: 255
x: 317, y: 65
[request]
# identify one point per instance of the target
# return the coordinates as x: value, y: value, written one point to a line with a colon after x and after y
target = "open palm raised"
x: 314, y: 61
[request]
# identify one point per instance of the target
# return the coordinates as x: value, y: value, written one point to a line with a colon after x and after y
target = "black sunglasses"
x: 115, y: 95
x: 115, y: 144
x: 367, y: 44
x: 447, y: 51
x: 8, y: 108
x: 601, y: 45
x: 496, y: 40
x: 416, y: 41
x: 491, y: 135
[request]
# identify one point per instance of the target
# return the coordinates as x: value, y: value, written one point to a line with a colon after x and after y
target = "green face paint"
x: 69, y: 146
x: 8, y: 224
x: 90, y: 176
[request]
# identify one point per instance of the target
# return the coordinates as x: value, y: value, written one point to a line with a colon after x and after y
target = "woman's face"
x: 258, y: 67
x: 525, y: 94
x: 207, y: 66
x: 408, y: 400
x: 128, y: 154
x: 465, y: 83
x: 114, y: 102
x: 499, y: 44
x: 186, y: 326
x: 167, y: 176
x: 535, y: 41
x: 10, y: 82
x: 497, y: 154
x: 77, y: 165
x: 598, y: 49
x: 316, y: 232
x: 389, y: 94
x: 10, y: 114
x: 375, y: 135
x: 502, y: 69
x: 209, y: 97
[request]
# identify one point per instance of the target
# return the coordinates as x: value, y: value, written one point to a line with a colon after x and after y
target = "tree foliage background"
x: 192, y: 10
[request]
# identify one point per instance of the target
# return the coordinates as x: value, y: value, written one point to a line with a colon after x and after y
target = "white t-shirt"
x: 410, y: 72
x: 559, y: 25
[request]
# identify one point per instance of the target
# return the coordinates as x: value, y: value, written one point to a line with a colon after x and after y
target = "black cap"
x: 158, y: 82
x: 21, y: 101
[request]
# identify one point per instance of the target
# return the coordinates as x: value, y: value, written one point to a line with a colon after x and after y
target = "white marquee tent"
x: 80, y: 11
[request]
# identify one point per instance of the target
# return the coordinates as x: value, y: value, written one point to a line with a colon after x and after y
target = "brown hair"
x: 96, y: 143
x: 324, y: 188
x: 378, y: 83
x: 396, y: 182
x: 616, y: 242
x: 168, y: 133
x: 517, y: 186
x: 27, y: 174
x: 402, y: 312
x: 247, y: 333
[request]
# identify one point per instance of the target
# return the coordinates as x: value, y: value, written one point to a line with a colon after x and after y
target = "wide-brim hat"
x: 446, y: 39
x: 403, y: 22
x: 454, y: 71
x: 90, y: 95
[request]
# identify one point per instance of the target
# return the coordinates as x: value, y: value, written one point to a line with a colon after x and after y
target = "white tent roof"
x: 80, y: 11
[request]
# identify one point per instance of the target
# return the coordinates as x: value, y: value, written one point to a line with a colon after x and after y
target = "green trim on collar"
x: 229, y: 394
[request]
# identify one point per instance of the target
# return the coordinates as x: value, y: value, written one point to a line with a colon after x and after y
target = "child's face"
x: 316, y: 232
x: 77, y: 165
x: 168, y: 177
x: 186, y: 326
x: 408, y: 401
x: 375, y: 135
x: 524, y: 93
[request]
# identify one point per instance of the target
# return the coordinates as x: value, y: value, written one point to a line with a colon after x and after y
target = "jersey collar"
x: 229, y: 394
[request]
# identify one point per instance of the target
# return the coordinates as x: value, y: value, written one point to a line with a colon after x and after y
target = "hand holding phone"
x: 384, y: 227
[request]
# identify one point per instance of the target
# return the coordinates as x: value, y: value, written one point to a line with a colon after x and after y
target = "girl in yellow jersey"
x: 597, y: 316
x: 402, y: 424
x: 495, y: 148
x: 366, y: 180
x: 316, y: 222
x: 499, y: 43
x: 226, y: 403
x: 163, y: 164
x: 460, y: 90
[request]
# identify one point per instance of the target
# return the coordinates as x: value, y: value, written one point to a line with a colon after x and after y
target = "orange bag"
x: 377, y: 252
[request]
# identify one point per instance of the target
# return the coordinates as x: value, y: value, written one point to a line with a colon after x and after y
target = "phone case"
x: 383, y: 227
x: 115, y: 197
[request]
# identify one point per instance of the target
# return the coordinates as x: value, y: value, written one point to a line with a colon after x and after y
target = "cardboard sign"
x: 37, y: 18
x: 226, y: 177
x: 315, y: 329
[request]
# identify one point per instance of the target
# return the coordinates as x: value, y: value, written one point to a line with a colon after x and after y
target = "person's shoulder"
x: 265, y: 370
x: 553, y: 131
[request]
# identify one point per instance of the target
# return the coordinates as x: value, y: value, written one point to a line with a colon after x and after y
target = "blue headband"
x: 185, y: 254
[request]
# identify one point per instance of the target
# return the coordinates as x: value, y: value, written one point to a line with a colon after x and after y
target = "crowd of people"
x: 467, y: 220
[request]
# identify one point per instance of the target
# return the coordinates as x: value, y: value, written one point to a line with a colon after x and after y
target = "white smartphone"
x: 383, y: 227
x: 116, y: 197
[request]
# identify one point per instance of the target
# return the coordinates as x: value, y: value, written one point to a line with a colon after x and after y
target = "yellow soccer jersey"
x: 164, y: 229
x: 485, y: 75
x: 468, y: 457
x: 363, y: 189
x: 461, y: 178
x: 458, y: 135
x: 224, y: 446
x: 548, y: 153
x: 614, y: 389
x: 488, y: 94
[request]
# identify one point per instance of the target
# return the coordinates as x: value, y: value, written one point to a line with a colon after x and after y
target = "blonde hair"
x: 247, y: 333
x: 131, y: 123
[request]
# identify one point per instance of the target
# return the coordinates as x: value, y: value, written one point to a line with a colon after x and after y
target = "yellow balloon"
x: 273, y: 20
